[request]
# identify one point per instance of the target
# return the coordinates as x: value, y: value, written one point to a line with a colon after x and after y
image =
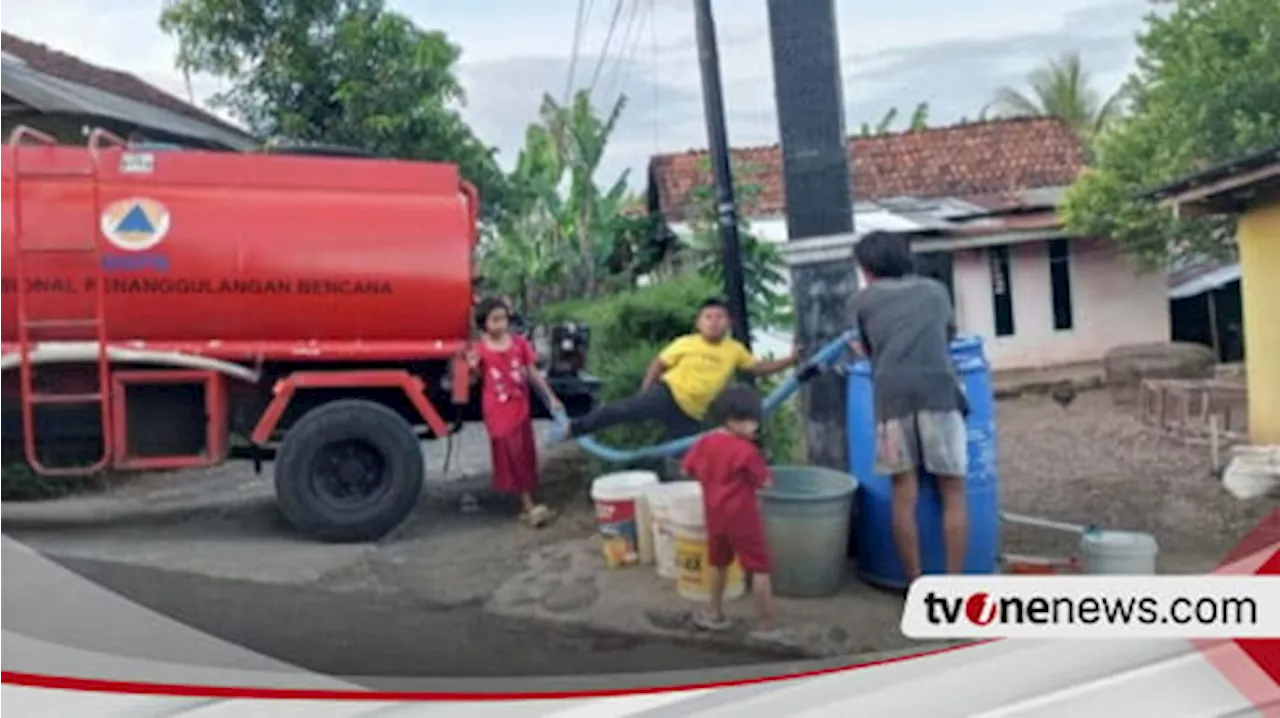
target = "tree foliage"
x: 629, y: 328
x: 1206, y: 90
x: 581, y: 137
x: 1064, y: 89
x: 345, y: 72
x: 562, y: 235
x: 919, y: 121
x: 764, y: 277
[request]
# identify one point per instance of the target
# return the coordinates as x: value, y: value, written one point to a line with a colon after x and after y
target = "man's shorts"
x: 747, y: 543
x: 933, y: 440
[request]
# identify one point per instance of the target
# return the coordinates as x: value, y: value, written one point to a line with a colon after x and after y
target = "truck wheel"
x: 349, y: 470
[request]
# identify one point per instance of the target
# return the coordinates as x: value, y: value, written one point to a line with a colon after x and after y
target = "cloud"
x: 951, y: 54
x: 504, y: 96
x: 959, y: 77
x: 956, y: 76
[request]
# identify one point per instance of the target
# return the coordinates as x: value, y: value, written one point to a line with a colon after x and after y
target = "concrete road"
x: 353, y: 635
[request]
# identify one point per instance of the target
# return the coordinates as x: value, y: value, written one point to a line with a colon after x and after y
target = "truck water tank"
x: 877, y: 556
x: 199, y: 249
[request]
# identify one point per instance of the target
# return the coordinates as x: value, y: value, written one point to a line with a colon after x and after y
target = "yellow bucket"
x: 693, y: 572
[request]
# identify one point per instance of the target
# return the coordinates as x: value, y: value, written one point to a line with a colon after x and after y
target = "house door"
x: 939, y: 266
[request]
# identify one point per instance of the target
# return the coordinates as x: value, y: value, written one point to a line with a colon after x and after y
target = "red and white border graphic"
x: 1165, y: 677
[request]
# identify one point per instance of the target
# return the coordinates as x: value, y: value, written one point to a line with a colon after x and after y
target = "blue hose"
x: 826, y: 356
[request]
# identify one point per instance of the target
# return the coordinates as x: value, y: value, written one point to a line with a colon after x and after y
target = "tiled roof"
x: 1020, y: 222
x: 969, y: 160
x: 72, y: 69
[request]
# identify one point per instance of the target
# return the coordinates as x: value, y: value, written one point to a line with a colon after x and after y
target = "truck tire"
x: 348, y: 471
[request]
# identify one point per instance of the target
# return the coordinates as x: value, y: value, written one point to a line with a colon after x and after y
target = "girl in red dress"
x: 505, y: 363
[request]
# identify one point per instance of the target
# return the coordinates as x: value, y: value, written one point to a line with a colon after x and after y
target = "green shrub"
x: 621, y: 374
x: 594, y: 313
x: 781, y: 434
x: 655, y: 314
x: 19, y: 483
x: 629, y: 329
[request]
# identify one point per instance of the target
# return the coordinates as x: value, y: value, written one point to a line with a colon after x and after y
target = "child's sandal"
x: 538, y: 516
x: 707, y: 622
x: 774, y: 636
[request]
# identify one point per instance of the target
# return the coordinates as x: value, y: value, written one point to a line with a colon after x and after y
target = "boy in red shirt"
x: 731, y: 469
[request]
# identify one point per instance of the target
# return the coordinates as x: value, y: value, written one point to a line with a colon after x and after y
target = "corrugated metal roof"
x: 1205, y: 281
x: 883, y: 220
x: 54, y: 63
x: 51, y: 94
x: 1217, y: 173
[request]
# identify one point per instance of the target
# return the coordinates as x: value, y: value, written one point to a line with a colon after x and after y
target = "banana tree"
x: 573, y: 238
x: 765, y: 279
x: 582, y: 137
x: 919, y: 121
x: 524, y: 254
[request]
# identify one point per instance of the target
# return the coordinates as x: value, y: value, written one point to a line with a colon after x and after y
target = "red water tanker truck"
x: 175, y: 309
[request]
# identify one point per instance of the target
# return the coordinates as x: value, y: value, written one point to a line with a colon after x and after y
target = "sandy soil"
x: 1097, y: 464
x: 1087, y: 463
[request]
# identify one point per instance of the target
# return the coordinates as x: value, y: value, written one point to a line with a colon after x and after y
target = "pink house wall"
x: 1112, y: 304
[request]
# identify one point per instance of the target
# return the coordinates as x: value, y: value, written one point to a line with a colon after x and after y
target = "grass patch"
x: 20, y: 483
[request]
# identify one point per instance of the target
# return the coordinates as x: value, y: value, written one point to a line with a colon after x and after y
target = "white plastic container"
x: 687, y: 510
x: 1118, y: 553
x: 644, y: 531
x: 615, y: 498
x: 661, y: 500
x: 693, y: 579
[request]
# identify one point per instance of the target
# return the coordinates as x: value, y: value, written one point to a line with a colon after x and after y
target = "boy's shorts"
x: 933, y: 440
x: 747, y: 543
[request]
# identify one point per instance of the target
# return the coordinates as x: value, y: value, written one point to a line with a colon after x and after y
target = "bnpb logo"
x: 135, y: 224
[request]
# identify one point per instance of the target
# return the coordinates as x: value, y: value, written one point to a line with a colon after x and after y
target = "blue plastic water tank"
x: 877, y: 556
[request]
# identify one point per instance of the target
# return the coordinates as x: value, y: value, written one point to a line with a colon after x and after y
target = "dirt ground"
x: 1087, y: 463
x: 1093, y: 463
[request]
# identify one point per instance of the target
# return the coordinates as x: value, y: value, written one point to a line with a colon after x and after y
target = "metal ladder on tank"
x: 87, y: 249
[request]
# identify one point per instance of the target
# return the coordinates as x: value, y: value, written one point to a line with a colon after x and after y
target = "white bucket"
x: 661, y: 499
x: 644, y: 531
x: 688, y: 511
x: 693, y: 580
x: 615, y: 498
x: 1123, y: 553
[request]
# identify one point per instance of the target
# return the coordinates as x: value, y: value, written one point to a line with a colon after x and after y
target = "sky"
x: 952, y: 54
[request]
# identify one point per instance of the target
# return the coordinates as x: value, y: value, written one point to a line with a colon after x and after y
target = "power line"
x: 584, y: 10
x: 631, y: 40
x: 657, y: 86
x: 608, y: 38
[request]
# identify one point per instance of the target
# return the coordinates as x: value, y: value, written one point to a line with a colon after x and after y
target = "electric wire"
x: 584, y: 11
x: 657, y: 84
x: 631, y: 41
x: 618, y: 7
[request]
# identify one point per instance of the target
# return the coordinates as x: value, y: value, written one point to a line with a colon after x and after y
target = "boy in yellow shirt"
x: 682, y: 380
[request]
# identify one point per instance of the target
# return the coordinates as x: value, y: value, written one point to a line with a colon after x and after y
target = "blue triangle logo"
x: 136, y: 221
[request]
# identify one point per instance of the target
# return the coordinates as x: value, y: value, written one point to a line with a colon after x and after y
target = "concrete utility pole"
x: 819, y: 199
x: 718, y: 148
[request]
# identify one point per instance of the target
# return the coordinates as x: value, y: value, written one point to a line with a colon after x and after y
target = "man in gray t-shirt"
x: 906, y: 324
